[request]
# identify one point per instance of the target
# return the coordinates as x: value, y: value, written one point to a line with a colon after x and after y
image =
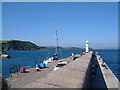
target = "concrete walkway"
x: 76, y: 74
x: 72, y: 75
x: 22, y: 79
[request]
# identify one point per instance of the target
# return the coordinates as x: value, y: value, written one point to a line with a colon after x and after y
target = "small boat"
x: 59, y: 65
x: 48, y: 60
x: 4, y: 55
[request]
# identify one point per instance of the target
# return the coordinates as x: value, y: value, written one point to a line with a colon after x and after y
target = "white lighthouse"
x: 87, y: 46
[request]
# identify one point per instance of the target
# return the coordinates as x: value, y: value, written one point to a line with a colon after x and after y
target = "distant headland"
x: 11, y: 45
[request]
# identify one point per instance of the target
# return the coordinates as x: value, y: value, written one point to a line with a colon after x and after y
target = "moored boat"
x: 4, y: 55
x: 55, y: 56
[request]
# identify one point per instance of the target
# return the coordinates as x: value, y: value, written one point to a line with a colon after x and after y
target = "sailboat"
x: 55, y: 56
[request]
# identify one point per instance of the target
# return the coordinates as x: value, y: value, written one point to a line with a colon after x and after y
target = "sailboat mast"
x: 56, y: 39
x: 56, y: 42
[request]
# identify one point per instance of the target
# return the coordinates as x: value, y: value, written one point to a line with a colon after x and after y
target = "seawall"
x: 73, y: 75
x: 76, y: 74
x: 110, y: 79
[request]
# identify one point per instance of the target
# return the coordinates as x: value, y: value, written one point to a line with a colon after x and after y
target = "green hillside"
x: 18, y: 45
x: 10, y: 45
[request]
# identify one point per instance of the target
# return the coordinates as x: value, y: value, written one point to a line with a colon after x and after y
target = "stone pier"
x: 110, y: 79
x: 76, y: 74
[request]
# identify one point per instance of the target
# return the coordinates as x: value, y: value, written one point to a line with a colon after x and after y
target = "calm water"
x: 30, y: 58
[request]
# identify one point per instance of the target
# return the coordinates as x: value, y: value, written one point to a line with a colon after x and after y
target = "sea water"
x: 30, y: 58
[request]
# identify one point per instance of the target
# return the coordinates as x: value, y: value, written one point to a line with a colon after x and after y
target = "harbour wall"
x: 110, y: 79
x: 76, y: 74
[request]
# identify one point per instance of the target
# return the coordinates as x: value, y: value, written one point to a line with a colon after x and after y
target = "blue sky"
x: 76, y: 23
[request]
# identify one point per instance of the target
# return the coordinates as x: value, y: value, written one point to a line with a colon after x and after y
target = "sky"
x: 76, y: 22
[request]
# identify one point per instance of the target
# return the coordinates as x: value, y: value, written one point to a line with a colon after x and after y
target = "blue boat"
x: 42, y: 65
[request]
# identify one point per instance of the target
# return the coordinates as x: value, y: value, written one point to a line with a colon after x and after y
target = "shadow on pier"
x: 97, y: 81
